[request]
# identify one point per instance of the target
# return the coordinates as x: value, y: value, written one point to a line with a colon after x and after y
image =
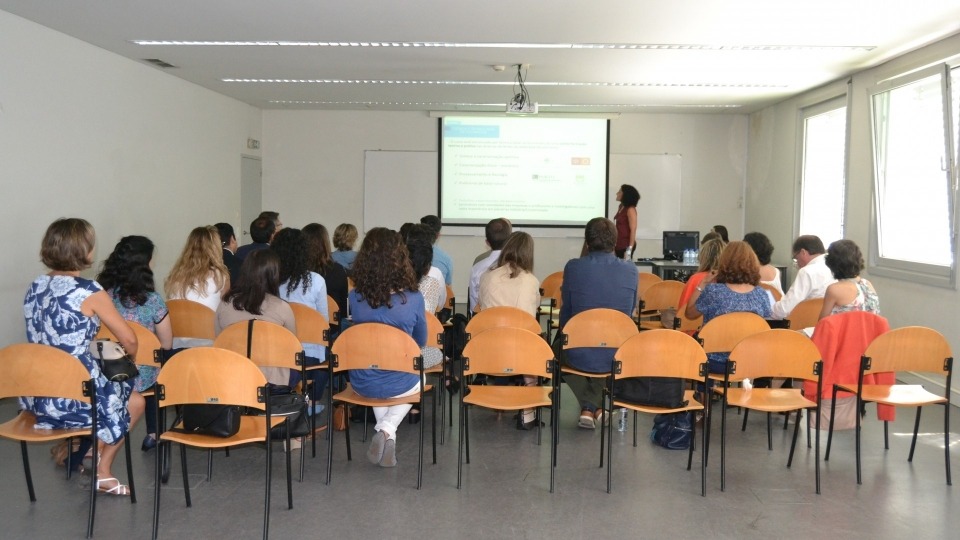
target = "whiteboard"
x: 401, y: 186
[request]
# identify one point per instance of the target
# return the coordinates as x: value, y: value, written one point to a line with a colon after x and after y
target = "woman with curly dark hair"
x: 320, y: 261
x: 128, y: 279
x: 769, y: 274
x: 386, y: 292
x: 626, y: 220
x: 851, y: 292
x: 735, y: 287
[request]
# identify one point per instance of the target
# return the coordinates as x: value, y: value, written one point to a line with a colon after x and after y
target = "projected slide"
x: 531, y: 170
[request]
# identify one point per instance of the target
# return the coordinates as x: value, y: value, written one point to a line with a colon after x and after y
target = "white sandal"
x: 119, y: 490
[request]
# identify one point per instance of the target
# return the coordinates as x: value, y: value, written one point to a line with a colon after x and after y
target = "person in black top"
x: 228, y: 241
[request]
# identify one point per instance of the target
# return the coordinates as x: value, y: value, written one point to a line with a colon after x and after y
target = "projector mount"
x: 521, y: 103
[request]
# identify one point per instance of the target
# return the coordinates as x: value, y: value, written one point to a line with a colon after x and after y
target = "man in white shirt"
x: 812, y: 279
x: 497, y: 232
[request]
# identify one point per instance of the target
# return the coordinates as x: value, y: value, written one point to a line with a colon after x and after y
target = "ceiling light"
x: 507, y: 83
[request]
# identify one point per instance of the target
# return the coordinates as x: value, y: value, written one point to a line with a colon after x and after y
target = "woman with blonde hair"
x: 199, y: 274
x: 344, y: 237
x: 709, y: 259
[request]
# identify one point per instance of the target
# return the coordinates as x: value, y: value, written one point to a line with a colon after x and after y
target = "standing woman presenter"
x: 626, y: 220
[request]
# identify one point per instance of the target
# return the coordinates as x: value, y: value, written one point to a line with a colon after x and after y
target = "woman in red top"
x: 626, y: 220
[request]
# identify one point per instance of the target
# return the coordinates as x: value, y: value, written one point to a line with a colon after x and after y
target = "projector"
x: 521, y: 107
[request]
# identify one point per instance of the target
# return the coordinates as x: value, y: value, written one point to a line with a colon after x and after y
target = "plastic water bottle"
x: 696, y: 257
x: 627, y: 253
x: 622, y: 419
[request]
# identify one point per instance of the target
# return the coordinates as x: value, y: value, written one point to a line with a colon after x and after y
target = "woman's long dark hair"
x: 318, y: 248
x: 259, y: 276
x: 382, y: 268
x: 291, y: 247
x: 127, y: 270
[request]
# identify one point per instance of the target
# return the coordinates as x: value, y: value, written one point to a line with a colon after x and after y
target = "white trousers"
x: 390, y: 418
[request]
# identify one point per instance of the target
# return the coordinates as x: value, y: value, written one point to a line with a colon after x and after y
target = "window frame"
x: 806, y: 112
x: 924, y: 273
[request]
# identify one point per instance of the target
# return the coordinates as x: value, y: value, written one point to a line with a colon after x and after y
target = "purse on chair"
x: 115, y: 364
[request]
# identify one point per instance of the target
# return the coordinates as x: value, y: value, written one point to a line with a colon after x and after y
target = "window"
x: 914, y: 219
x: 822, y: 173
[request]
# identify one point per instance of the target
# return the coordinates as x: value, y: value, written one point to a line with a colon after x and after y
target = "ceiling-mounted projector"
x: 520, y: 105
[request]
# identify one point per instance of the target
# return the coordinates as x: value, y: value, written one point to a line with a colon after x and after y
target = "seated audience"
x: 344, y: 237
x: 709, y: 260
x: 320, y: 261
x: 441, y: 259
x: 228, y: 240
x: 418, y: 232
x: 722, y: 231
x: 262, y: 230
x: 735, y: 288
x: 497, y: 231
x: 65, y: 311
x: 386, y: 292
x: 127, y: 277
x: 851, y: 292
x: 199, y: 275
x: 597, y: 280
x: 812, y: 278
x: 769, y: 274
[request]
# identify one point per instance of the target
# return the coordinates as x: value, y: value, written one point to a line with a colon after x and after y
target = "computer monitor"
x: 676, y: 242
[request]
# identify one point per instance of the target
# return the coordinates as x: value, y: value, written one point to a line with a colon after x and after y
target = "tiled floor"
x: 505, y: 492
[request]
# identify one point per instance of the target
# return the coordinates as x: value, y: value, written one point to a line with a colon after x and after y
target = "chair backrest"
x: 451, y: 301
x: 775, y: 353
x: 375, y: 346
x: 660, y: 353
x: 601, y: 327
x: 502, y: 316
x: 551, y: 287
x: 508, y: 351
x: 723, y: 333
x: 773, y: 290
x: 26, y: 369
x: 911, y: 348
x: 148, y: 344
x: 645, y: 280
x: 191, y: 320
x: 434, y: 331
x: 333, y: 308
x: 212, y: 376
x: 312, y: 326
x: 805, y: 314
x: 662, y: 295
x: 687, y: 325
x: 271, y: 345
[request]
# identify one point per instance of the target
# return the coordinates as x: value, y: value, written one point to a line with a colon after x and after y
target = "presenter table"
x: 677, y: 270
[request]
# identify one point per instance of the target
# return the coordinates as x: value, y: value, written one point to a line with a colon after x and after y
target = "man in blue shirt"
x: 597, y: 280
x: 441, y: 259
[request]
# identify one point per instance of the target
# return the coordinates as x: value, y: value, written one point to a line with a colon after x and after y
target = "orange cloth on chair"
x: 842, y: 340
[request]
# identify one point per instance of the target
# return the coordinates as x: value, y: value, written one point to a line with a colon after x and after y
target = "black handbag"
x: 673, y: 431
x: 214, y: 420
x: 115, y: 364
x: 666, y: 392
x: 294, y: 407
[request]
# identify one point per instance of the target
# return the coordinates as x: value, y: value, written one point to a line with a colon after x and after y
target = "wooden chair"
x: 268, y: 345
x: 659, y: 353
x: 26, y: 370
x: 203, y: 375
x: 333, y: 308
x: 192, y: 321
x: 507, y: 351
x: 501, y: 316
x: 312, y: 327
x: 772, y: 353
x: 435, y: 335
x: 550, y: 293
x: 645, y: 280
x: 915, y: 349
x: 658, y: 297
x: 451, y: 302
x: 805, y: 314
x: 773, y: 290
x: 383, y: 347
x: 602, y: 327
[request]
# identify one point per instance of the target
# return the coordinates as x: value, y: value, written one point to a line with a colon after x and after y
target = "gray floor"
x: 505, y: 493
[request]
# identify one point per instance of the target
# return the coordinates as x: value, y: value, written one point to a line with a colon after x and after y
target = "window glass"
x: 823, y: 178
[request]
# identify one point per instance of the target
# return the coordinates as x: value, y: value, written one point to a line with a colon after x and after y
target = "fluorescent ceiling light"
x: 499, y: 106
x: 504, y: 45
x: 505, y: 83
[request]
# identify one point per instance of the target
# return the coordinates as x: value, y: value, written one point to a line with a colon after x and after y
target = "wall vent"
x: 159, y: 63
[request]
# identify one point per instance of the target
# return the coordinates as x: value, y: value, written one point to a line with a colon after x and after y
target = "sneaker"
x: 587, y: 420
x: 316, y: 409
x: 377, y: 448
x: 389, y: 458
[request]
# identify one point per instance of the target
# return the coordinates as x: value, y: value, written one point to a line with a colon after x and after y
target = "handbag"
x: 213, y: 420
x: 672, y: 431
x: 666, y: 392
x: 115, y: 364
x: 284, y: 403
x: 341, y: 414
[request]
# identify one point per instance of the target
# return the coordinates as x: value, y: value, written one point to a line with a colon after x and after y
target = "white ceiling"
x: 725, y: 72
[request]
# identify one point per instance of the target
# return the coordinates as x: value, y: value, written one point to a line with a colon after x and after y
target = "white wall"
x: 771, y: 188
x: 313, y: 170
x: 90, y: 134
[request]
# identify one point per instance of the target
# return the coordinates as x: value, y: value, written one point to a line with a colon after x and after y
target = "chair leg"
x: 433, y: 424
x: 916, y: 429
x: 886, y: 433
x: 346, y: 434
x: 461, y: 425
x: 286, y: 452
x: 133, y: 489
x: 769, y: 435
x: 609, y: 430
x: 209, y: 465
x: 26, y: 468
x: 635, y: 429
x: 723, y: 442
x: 158, y: 472
x: 420, y: 451
x: 946, y: 439
x: 793, y: 445
x: 266, y: 494
x: 808, y: 426
x: 857, y: 436
x: 553, y: 445
x: 693, y: 437
x: 817, y: 450
x: 92, y: 511
x: 703, y: 457
x: 746, y: 414
x: 313, y: 438
x: 833, y: 412
x: 604, y: 432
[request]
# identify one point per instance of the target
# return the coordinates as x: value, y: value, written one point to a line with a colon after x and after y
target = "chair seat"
x: 350, y: 395
x: 651, y: 325
x: 508, y: 397
x: 898, y: 395
x: 21, y: 429
x: 252, y: 429
x: 573, y: 371
x: 688, y: 396
x: 769, y: 399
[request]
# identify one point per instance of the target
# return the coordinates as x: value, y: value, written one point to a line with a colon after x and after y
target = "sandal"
x: 118, y: 489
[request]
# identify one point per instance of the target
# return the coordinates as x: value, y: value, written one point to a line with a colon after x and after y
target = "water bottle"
x: 627, y: 253
x: 696, y: 257
x: 622, y: 420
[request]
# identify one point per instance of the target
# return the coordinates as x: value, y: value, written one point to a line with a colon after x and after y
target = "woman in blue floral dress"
x: 128, y: 278
x: 64, y: 310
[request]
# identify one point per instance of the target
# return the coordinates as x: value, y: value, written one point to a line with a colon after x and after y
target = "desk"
x: 677, y: 270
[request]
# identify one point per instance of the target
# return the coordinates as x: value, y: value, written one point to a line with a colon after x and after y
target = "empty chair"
x: 805, y: 314
x: 550, y: 293
x: 645, y: 280
x: 501, y: 316
x: 192, y: 322
x: 657, y: 298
